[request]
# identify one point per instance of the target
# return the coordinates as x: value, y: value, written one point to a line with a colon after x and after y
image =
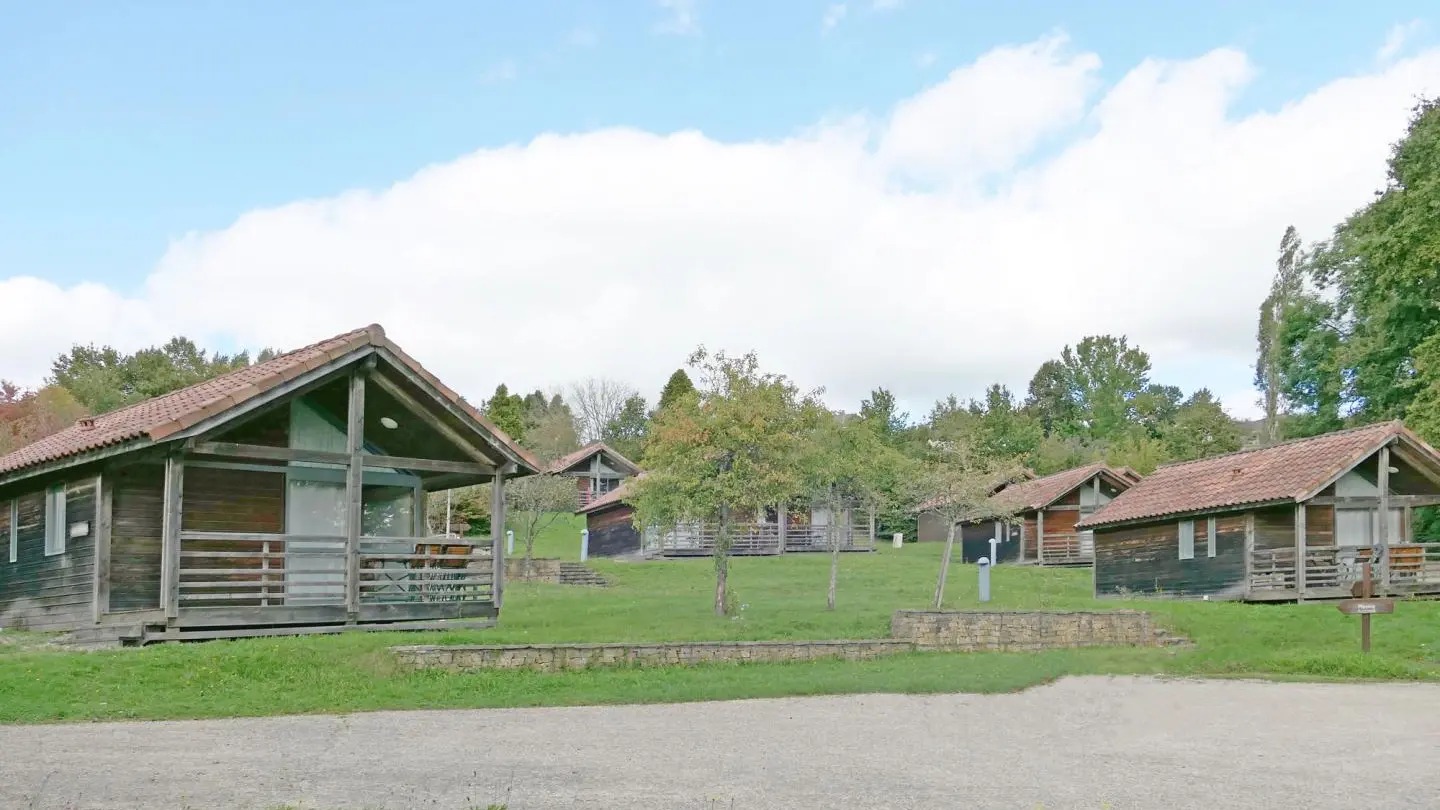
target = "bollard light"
x: 984, y: 579
x: 898, y: 541
x: 584, y: 545
x: 509, y: 541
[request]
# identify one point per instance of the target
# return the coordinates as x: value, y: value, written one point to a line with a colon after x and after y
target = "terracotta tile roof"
x: 1041, y: 492
x: 158, y: 418
x: 1288, y: 471
x: 569, y: 460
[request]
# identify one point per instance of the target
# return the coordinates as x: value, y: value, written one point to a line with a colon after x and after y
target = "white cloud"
x: 834, y: 14
x: 501, y: 72
x: 1400, y: 35
x: 886, y: 5
x: 682, y: 17
x: 1013, y: 207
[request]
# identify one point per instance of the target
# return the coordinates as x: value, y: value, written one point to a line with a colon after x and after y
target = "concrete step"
x: 580, y: 574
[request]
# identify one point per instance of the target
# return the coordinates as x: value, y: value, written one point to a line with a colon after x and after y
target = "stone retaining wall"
x: 541, y: 570
x: 965, y: 631
x: 550, y: 657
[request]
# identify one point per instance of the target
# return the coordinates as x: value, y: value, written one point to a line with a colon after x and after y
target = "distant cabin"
x: 285, y: 497
x: 597, y: 469
x: 1295, y: 520
x: 610, y: 521
x: 1046, y: 510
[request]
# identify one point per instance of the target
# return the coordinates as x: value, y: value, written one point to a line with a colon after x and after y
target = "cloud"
x: 964, y: 237
x: 501, y: 72
x: 682, y: 18
x: 1400, y: 35
x: 834, y: 14
x: 886, y: 5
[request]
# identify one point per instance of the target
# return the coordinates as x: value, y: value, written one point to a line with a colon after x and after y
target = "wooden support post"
x: 1040, y: 537
x: 497, y: 537
x: 354, y: 492
x: 422, y: 512
x: 1249, y: 552
x: 104, y: 502
x: 872, y: 526
x: 1021, y: 556
x: 170, y: 519
x: 1383, y: 483
x: 1300, y: 551
x: 782, y: 515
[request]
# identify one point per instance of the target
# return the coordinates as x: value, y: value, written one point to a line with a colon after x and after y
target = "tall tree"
x: 733, y: 445
x: 883, y: 414
x: 596, y: 401
x: 1094, y: 390
x: 1200, y: 428
x: 507, y: 411
x: 627, y: 431
x: 676, y: 388
x: 29, y: 416
x: 1002, y: 428
x: 1285, y: 289
x: 103, y: 379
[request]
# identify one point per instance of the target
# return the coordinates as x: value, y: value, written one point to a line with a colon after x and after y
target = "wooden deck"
x: 760, y: 539
x: 1333, y: 572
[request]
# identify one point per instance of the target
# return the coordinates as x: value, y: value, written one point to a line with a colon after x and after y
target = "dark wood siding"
x: 930, y: 528
x: 1319, y: 526
x: 612, y: 532
x: 271, y: 429
x: 40, y: 592
x: 135, y: 537
x: 975, y: 542
x: 221, y: 500
x: 1275, y: 527
x: 1145, y: 560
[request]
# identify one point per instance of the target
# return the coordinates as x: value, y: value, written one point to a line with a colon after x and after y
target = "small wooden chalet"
x: 1046, y: 511
x: 597, y: 470
x: 610, y: 522
x: 1291, y: 521
x: 285, y: 497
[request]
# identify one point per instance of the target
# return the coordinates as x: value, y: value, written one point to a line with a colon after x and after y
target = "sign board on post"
x: 1366, y: 607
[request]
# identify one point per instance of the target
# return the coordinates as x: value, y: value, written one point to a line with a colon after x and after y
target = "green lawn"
x: 658, y: 601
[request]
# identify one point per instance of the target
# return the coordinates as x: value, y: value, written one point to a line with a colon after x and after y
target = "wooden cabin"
x: 285, y: 497
x: 611, y: 523
x: 597, y: 470
x: 1291, y: 521
x: 1046, y: 510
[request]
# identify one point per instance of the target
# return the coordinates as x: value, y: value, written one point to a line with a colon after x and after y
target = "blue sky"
x: 125, y: 126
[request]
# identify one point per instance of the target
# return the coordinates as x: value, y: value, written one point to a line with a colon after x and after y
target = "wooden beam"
x: 497, y: 537
x: 419, y: 411
x: 1383, y: 484
x: 782, y: 515
x: 104, y: 504
x: 428, y: 465
x: 1373, y: 502
x: 440, y: 483
x: 1300, y: 550
x: 354, y: 490
x: 173, y: 499
x: 1040, y: 537
x: 258, y: 451
x: 1249, y: 551
x: 450, y: 407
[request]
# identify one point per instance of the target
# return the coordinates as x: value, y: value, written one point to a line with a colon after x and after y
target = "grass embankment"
x: 781, y: 598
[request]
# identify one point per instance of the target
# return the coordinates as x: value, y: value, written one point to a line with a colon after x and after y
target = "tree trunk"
x: 945, y: 565
x: 833, y: 533
x: 722, y: 563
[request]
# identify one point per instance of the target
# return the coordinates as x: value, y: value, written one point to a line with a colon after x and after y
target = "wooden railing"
x: 818, y: 538
x: 745, y: 538
x: 226, y: 569
x: 1066, y: 549
x: 1332, y: 571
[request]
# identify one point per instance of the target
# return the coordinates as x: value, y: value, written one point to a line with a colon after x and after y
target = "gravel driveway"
x: 1080, y: 743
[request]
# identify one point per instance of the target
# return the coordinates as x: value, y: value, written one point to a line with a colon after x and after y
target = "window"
x: 1187, y: 539
x: 1210, y: 538
x: 55, y: 529
x: 12, y: 527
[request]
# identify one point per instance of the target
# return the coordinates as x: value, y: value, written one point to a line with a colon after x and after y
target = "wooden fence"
x: 1333, y: 572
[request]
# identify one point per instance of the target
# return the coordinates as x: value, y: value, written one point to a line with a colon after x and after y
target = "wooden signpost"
x: 1366, y: 606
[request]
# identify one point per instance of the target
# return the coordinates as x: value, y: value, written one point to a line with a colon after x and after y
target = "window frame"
x: 56, y: 526
x: 1184, y: 552
x: 1210, y: 541
x: 13, y: 513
